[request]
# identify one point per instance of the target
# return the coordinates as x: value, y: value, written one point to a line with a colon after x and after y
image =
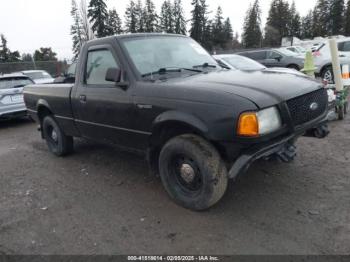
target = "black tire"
x: 341, y: 113
x: 58, y: 143
x: 327, y: 74
x: 346, y: 107
x: 206, y: 185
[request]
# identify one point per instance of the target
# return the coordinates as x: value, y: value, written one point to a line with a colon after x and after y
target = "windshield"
x: 154, y: 53
x: 38, y: 75
x: 7, y: 83
x: 286, y: 52
x: 242, y: 63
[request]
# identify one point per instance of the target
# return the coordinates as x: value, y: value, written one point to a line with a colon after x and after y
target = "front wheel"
x: 192, y: 172
x: 58, y: 143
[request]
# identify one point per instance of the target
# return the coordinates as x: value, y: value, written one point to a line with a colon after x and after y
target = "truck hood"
x: 264, y: 88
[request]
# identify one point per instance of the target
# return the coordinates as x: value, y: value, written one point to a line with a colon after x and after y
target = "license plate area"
x: 17, y: 98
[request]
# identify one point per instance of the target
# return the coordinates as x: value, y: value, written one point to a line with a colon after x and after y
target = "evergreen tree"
x: 295, y: 22
x: 199, y: 20
x: 27, y: 57
x: 322, y: 18
x: 337, y: 17
x: 167, y: 23
x: 277, y: 23
x: 131, y: 18
x: 45, y: 54
x: 5, y: 53
x: 307, y: 26
x: 228, y: 34
x: 252, y: 35
x: 114, y: 23
x: 98, y: 15
x: 76, y: 29
x: 150, y: 17
x: 139, y: 13
x: 347, y: 19
x: 179, y: 18
x: 208, y: 40
x: 218, y: 29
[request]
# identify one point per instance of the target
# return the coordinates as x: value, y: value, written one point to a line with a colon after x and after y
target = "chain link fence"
x: 55, y: 68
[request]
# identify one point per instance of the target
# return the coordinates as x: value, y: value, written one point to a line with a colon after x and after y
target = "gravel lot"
x: 103, y: 201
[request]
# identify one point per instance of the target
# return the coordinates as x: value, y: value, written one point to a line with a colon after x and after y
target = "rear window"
x: 257, y: 55
x: 7, y: 83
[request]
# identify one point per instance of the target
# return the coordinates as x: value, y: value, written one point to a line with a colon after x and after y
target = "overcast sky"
x: 29, y: 25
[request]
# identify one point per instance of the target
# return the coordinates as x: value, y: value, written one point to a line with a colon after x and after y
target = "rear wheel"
x: 58, y: 143
x: 193, y: 172
x: 327, y: 74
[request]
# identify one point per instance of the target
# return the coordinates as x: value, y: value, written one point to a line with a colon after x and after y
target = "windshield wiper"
x: 205, y: 65
x: 163, y: 71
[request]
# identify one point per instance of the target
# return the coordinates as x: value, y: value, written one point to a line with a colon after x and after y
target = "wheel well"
x: 162, y: 134
x: 42, y: 112
x: 293, y: 66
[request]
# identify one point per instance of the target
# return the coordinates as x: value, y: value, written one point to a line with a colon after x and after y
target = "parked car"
x: 297, y: 49
x: 323, y: 60
x: 164, y: 95
x: 275, y: 58
x: 11, y: 95
x: 238, y: 62
x: 39, y: 76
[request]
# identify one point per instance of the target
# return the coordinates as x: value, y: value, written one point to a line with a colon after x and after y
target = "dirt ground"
x: 101, y: 200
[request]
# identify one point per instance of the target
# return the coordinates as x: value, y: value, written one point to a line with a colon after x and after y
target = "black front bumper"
x: 252, y: 154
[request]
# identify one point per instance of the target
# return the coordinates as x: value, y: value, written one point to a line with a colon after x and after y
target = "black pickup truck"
x: 198, y: 124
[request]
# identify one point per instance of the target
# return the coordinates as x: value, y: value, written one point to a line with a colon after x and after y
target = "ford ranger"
x: 198, y: 124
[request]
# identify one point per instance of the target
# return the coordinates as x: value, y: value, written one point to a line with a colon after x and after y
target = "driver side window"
x: 274, y: 55
x: 97, y: 64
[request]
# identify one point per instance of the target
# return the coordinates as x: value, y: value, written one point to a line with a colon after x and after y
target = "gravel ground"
x: 104, y: 201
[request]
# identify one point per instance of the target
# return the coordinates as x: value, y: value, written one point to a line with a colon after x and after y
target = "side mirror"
x: 113, y: 75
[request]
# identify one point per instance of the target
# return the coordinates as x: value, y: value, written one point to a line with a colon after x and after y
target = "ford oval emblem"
x: 314, y: 106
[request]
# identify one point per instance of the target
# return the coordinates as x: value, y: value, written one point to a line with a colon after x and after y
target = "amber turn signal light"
x: 248, y: 124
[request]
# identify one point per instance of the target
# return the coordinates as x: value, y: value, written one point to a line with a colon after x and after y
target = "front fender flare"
x: 182, y: 117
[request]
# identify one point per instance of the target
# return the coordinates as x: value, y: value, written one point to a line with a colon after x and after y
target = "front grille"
x: 303, y: 108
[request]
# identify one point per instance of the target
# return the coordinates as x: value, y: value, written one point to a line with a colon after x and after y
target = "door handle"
x: 82, y: 98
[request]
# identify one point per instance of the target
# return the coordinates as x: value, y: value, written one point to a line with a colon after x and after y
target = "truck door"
x: 102, y: 109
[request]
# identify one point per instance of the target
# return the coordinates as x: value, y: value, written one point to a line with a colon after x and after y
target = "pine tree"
x: 347, y: 19
x: 199, y: 20
x: 322, y: 18
x: 5, y: 53
x: 98, y: 15
x: 131, y: 18
x: 179, y: 18
x: 277, y: 23
x: 337, y: 17
x: 139, y: 13
x: 307, y: 26
x: 114, y: 23
x: 167, y: 22
x: 218, y: 29
x: 45, y: 54
x: 76, y: 29
x: 208, y: 40
x: 252, y: 35
x: 295, y: 22
x: 228, y: 34
x: 150, y: 17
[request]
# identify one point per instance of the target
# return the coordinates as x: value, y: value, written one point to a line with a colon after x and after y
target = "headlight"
x: 259, y: 123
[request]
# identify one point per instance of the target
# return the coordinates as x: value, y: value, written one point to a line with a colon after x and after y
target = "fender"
x: 44, y: 103
x: 185, y: 118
